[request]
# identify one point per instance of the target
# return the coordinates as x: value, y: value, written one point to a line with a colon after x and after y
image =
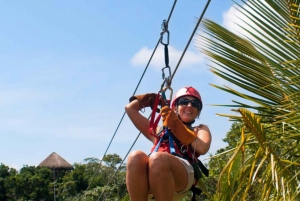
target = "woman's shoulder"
x: 201, y: 126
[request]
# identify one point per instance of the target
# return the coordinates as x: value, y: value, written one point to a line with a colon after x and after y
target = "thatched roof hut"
x: 55, y: 161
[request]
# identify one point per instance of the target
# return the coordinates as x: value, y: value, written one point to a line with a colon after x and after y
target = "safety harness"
x: 166, y: 136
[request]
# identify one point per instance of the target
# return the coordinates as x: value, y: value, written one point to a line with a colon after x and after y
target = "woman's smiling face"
x: 187, y: 112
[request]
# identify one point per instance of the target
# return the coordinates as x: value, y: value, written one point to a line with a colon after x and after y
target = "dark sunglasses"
x: 184, y: 101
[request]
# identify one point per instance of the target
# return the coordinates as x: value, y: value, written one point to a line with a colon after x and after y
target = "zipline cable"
x: 169, y: 17
x: 189, y: 41
x: 119, y: 165
x: 191, y: 37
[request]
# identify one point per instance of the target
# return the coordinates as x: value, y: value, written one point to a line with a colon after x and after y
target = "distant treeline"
x: 88, y: 181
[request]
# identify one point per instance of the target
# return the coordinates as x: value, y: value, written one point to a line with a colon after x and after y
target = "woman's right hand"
x: 145, y: 100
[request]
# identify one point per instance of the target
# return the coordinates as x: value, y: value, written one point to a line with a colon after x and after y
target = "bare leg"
x: 137, y: 176
x: 167, y: 174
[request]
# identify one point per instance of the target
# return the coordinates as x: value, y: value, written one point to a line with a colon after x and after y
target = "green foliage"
x: 36, y: 183
x: 264, y: 63
x: 90, y: 181
x: 229, y: 179
x: 6, y: 174
x: 31, y: 183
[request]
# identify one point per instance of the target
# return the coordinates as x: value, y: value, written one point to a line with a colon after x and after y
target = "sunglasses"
x: 184, y: 101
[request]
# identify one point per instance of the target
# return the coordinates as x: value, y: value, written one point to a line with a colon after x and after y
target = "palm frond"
x: 264, y: 62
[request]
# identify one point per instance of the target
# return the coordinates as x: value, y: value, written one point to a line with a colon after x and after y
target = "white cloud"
x: 233, y: 20
x: 142, y: 57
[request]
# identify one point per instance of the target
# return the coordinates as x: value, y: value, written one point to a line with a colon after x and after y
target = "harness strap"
x: 203, y: 168
x: 153, y: 122
x: 185, y: 154
x: 157, y: 145
x: 171, y: 142
x: 196, y: 191
x: 168, y: 135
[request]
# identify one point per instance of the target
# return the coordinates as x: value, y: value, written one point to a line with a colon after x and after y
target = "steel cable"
x: 173, y: 74
x: 169, y: 17
x: 191, y: 37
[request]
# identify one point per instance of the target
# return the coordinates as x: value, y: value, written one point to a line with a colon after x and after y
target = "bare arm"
x: 203, y: 140
x: 140, y: 122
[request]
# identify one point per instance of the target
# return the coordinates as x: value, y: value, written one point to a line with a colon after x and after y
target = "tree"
x: 219, y: 161
x: 31, y: 183
x: 5, y: 174
x: 265, y: 64
x: 87, y: 182
x: 92, y: 180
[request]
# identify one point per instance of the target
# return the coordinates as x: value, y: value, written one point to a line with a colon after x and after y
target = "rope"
x: 170, y: 14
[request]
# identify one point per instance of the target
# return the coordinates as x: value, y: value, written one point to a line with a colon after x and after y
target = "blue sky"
x: 68, y: 69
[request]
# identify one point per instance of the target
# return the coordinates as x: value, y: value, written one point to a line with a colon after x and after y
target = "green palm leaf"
x: 264, y: 63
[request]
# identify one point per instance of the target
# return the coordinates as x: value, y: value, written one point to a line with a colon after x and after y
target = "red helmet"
x: 186, y: 91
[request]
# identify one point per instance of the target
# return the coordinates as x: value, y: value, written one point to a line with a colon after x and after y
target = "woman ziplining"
x: 197, y: 166
x: 170, y: 171
x: 185, y: 152
x: 172, y: 168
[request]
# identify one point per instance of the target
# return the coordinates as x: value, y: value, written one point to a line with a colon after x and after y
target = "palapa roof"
x: 55, y: 161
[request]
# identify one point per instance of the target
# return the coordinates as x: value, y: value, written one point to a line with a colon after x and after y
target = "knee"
x: 158, y: 162
x: 137, y: 158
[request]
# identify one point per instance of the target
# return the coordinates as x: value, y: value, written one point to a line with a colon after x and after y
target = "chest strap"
x: 168, y: 136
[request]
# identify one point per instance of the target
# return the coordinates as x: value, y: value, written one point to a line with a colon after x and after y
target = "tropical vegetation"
x: 88, y: 181
x: 262, y: 159
x: 262, y: 62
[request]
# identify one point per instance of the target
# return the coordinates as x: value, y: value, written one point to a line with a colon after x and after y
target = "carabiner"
x: 163, y: 72
x: 164, y: 28
x: 184, y: 149
x: 171, y: 91
x: 162, y: 35
x: 166, y: 83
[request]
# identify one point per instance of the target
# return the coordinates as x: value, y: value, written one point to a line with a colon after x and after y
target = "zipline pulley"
x: 167, y: 79
x: 164, y: 29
